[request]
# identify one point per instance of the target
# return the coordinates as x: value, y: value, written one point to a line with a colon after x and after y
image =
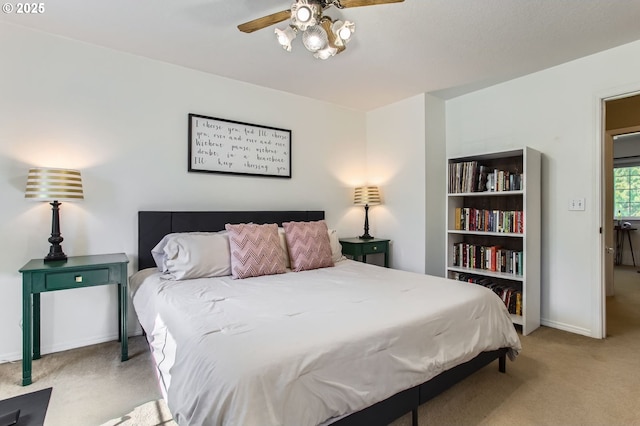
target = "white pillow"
x: 158, y: 254
x: 336, y: 247
x: 283, y: 244
x: 194, y: 255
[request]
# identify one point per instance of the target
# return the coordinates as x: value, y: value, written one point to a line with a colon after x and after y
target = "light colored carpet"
x: 559, y: 378
x: 151, y: 413
x: 90, y: 384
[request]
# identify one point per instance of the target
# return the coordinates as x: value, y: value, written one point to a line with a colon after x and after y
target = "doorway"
x: 621, y: 117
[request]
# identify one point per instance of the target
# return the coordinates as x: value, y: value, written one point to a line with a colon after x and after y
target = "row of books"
x: 470, y: 176
x: 470, y: 219
x: 510, y: 296
x: 489, y: 258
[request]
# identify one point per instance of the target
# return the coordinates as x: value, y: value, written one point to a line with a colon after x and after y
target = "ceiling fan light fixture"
x: 305, y: 14
x: 320, y: 34
x: 285, y: 37
x: 343, y: 31
x: 326, y: 53
x: 315, y: 38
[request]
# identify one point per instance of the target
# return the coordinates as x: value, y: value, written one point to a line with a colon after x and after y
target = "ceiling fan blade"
x: 358, y: 3
x: 265, y: 21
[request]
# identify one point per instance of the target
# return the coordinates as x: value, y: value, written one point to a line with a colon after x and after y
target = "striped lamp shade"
x: 45, y: 184
x: 367, y: 195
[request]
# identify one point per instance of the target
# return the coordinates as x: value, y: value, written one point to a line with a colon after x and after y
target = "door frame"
x: 599, y: 295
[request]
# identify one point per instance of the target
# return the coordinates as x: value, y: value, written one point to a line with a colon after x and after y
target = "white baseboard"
x: 17, y: 356
x: 566, y: 327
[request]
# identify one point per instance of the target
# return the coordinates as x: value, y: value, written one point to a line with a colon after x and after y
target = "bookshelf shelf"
x: 507, y: 262
x: 489, y: 234
x: 486, y: 273
x: 485, y: 194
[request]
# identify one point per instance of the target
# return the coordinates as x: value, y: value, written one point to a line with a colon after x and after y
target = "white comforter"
x: 303, y: 348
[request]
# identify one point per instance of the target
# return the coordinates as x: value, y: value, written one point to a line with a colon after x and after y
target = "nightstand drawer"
x: 373, y: 248
x: 64, y: 280
x: 358, y: 248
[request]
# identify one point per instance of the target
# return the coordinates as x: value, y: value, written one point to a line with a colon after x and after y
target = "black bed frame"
x: 153, y: 225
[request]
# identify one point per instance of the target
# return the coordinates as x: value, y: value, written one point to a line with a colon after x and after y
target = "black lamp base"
x: 366, y: 235
x: 55, y: 251
x: 55, y: 256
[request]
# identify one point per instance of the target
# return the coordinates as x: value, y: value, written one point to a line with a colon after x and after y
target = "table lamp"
x: 366, y: 196
x: 53, y: 185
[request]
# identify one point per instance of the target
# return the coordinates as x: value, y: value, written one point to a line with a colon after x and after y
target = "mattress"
x: 306, y: 348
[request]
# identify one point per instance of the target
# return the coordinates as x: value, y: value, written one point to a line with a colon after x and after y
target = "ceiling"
x: 443, y: 47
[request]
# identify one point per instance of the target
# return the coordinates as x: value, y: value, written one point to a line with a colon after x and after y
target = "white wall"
x: 555, y: 111
x: 122, y: 120
x: 436, y: 181
x: 396, y: 162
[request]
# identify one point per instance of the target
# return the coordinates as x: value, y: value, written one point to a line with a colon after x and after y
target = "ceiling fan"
x: 321, y: 35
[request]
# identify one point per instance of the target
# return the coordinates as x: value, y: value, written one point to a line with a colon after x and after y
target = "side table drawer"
x: 65, y: 280
x: 373, y: 248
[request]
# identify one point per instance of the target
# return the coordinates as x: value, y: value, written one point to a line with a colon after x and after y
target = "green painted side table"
x: 39, y: 276
x: 358, y: 248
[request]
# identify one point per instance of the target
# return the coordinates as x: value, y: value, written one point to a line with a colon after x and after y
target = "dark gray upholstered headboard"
x: 152, y: 226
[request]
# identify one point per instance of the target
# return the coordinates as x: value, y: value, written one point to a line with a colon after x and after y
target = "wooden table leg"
x: 123, y: 304
x: 36, y: 326
x: 26, y: 330
x: 119, y: 313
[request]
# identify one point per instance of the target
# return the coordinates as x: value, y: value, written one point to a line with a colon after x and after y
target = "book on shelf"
x: 488, y: 258
x: 470, y: 176
x: 471, y: 219
x: 482, y: 178
x: 511, y: 296
x: 463, y: 177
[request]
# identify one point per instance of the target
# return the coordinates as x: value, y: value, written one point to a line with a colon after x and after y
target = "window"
x: 626, y: 198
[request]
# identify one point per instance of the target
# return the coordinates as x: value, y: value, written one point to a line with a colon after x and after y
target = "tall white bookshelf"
x: 494, y: 222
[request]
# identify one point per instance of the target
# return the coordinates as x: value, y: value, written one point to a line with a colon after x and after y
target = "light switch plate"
x: 577, y: 204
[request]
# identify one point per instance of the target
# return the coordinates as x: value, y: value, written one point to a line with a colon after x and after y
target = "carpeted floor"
x: 559, y: 378
x: 154, y: 413
x: 90, y: 384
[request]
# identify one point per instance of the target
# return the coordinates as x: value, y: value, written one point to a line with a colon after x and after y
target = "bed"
x: 352, y: 344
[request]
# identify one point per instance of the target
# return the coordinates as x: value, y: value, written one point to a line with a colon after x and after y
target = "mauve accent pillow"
x: 309, y: 246
x: 336, y: 247
x: 255, y: 250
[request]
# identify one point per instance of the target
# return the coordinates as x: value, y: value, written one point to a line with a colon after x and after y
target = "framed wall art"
x: 217, y: 145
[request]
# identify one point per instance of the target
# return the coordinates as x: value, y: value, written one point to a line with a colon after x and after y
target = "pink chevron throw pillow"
x: 255, y: 250
x: 309, y: 246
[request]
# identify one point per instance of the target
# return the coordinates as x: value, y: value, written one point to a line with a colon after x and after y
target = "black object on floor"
x: 30, y: 409
x: 9, y: 419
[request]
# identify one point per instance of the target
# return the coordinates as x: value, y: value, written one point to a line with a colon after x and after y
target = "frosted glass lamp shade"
x: 285, y: 37
x: 315, y: 38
